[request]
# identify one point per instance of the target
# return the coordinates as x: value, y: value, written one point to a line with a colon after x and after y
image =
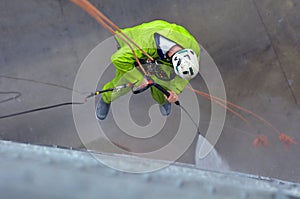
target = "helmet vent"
x: 187, y: 57
x: 179, y: 62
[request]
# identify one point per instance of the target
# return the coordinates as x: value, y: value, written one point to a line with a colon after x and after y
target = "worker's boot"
x: 102, y: 109
x: 165, y: 109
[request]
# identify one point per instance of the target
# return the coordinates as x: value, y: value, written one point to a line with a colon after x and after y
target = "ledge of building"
x: 32, y: 171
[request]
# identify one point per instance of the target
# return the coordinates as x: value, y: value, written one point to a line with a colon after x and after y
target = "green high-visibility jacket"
x: 143, y: 36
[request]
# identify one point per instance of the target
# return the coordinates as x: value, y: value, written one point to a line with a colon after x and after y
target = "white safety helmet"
x: 185, y: 63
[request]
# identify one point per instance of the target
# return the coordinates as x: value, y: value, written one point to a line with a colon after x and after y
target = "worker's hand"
x: 143, y: 84
x: 173, y: 97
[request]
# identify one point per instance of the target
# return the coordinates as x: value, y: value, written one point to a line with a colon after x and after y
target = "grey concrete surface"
x: 255, y: 45
x: 46, y: 172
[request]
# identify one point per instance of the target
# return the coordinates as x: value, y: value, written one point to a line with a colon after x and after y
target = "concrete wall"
x: 255, y: 44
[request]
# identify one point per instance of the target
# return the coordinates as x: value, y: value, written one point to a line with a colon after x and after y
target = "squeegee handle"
x: 164, y: 91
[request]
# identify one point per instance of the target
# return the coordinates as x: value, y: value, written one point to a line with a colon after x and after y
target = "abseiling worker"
x: 170, y: 45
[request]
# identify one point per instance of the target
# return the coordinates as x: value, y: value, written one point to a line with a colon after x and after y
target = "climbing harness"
x: 160, y: 70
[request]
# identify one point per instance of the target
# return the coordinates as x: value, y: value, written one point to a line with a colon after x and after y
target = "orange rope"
x: 103, y: 20
x: 209, y: 97
x: 261, y: 139
x: 238, y: 107
x: 116, y: 27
